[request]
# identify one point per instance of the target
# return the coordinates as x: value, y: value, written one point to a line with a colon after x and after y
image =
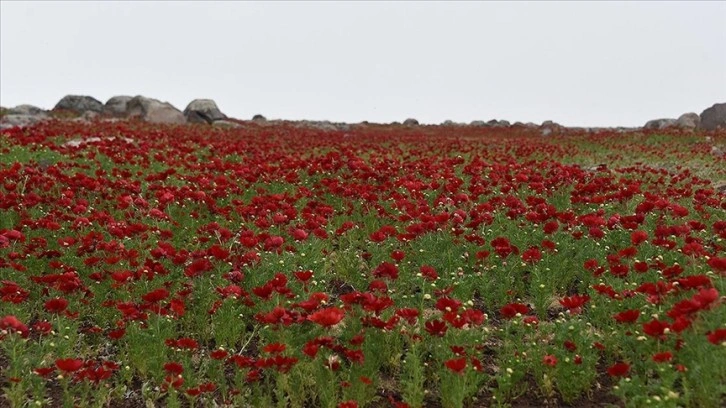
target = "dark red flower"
x: 663, y: 357
x: 327, y: 317
x: 456, y: 365
x: 619, y: 369
x: 69, y: 365
x: 429, y: 273
x: 13, y: 324
x: 638, y: 237
x: 386, y: 270
x: 56, y: 305
x: 627, y: 316
x: 156, y: 295
x: 512, y: 309
x: 717, y: 336
x: 574, y: 303
x: 549, y: 360
x: 655, y: 328
x: 436, y: 328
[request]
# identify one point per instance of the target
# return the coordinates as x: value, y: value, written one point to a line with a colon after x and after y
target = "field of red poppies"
x: 382, y: 266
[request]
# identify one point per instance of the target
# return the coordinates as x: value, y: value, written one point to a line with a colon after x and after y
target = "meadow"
x: 274, y: 265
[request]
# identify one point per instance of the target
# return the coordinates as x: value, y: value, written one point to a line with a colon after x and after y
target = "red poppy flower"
x: 717, y: 336
x: 429, y: 273
x: 69, y: 365
x: 218, y: 354
x: 456, y: 365
x: 56, y: 305
x: 386, y: 270
x: 574, y: 303
x: 663, y: 357
x: 436, y: 328
x: 655, y: 328
x: 274, y: 348
x: 512, y: 309
x: 327, y: 317
x: 619, y: 369
x: 12, y: 324
x: 638, y: 237
x: 627, y: 316
x: 549, y: 360
x: 156, y: 295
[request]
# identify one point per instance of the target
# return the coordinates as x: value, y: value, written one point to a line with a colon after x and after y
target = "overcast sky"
x: 584, y: 63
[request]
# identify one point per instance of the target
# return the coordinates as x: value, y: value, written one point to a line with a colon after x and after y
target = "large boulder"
x: 689, y: 121
x: 410, y: 122
x: 478, y: 123
x: 25, y: 110
x: 22, y: 116
x: 714, y: 117
x: 154, y: 111
x: 549, y: 127
x: 658, y: 124
x: 203, y: 111
x: 226, y: 124
x: 117, y: 105
x: 14, y: 120
x: 259, y: 118
x: 79, y: 104
x: 499, y: 123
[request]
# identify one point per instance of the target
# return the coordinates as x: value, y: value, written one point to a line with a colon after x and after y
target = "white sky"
x: 584, y: 63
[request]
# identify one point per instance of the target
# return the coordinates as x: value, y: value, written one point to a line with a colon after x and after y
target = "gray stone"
x: 87, y: 116
x: 203, y: 111
x: 25, y: 110
x: 410, y: 122
x: 79, y: 104
x: 226, y: 124
x: 117, y: 105
x: 14, y: 120
x: 689, y: 121
x: 498, y: 123
x: 478, y: 123
x: 547, y: 131
x: 154, y: 111
x: 714, y: 117
x: 259, y: 118
x: 658, y: 124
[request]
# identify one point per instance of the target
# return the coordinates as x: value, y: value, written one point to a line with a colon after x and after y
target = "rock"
x: 259, y: 118
x: 226, y: 124
x: 657, y: 124
x: 79, y: 104
x: 410, y: 122
x: 77, y: 142
x: 154, y: 111
x: 11, y: 121
x: 323, y: 125
x: 25, y: 110
x: 478, y: 123
x: 714, y: 117
x: 203, y: 111
x: 117, y: 105
x: 689, y: 121
x: 87, y: 116
x: 549, y: 127
x: 498, y: 123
